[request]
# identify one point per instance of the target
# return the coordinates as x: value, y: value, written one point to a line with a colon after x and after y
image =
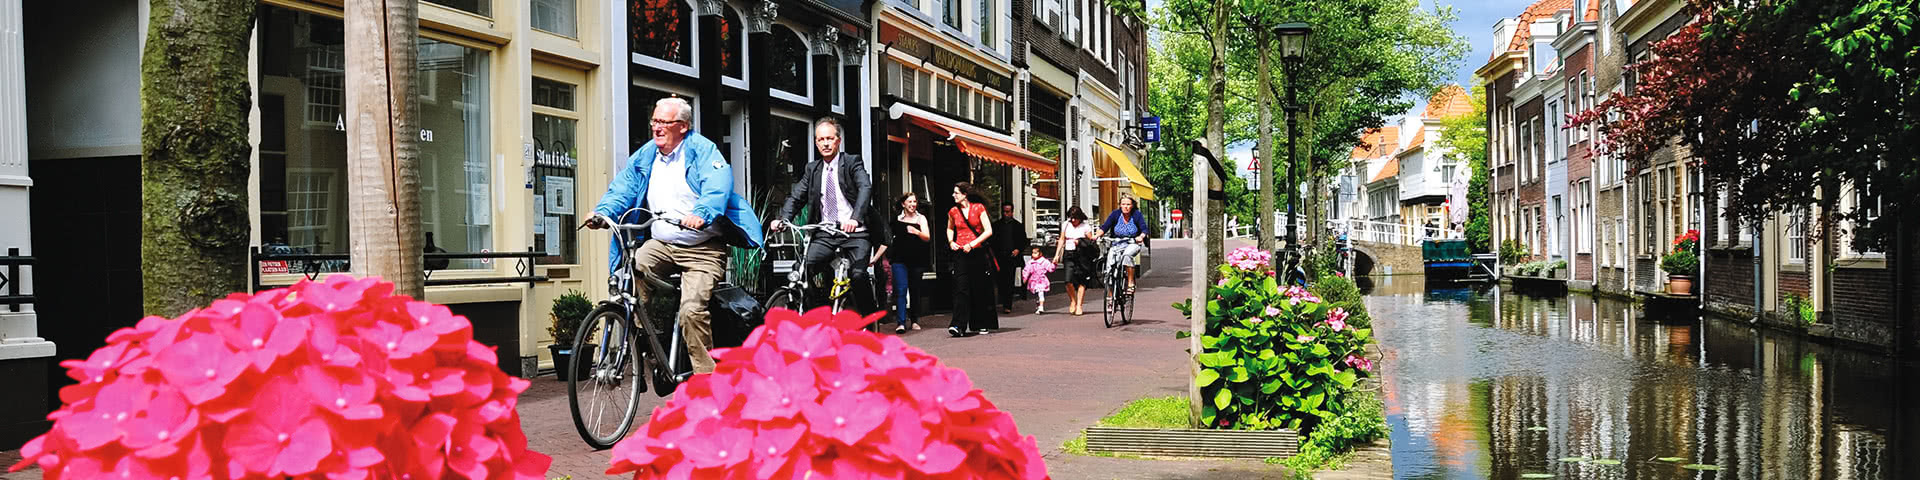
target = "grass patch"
x: 1163, y: 412
x: 1160, y: 412
x: 1326, y: 448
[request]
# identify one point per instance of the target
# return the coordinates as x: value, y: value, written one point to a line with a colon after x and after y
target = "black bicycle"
x: 618, y: 344
x: 1118, y: 308
x: 793, y: 295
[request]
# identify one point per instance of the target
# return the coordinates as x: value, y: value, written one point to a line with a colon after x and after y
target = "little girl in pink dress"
x: 1038, y: 266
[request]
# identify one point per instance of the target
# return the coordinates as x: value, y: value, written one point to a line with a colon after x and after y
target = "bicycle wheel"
x: 605, y: 399
x: 1110, y: 308
x: 1127, y: 301
x: 787, y: 298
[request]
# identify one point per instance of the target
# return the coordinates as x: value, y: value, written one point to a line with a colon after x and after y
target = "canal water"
x: 1492, y: 384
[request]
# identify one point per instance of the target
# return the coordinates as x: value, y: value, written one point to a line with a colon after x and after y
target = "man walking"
x: 1010, y: 238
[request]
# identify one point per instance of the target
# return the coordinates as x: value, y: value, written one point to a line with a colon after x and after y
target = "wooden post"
x: 383, y: 171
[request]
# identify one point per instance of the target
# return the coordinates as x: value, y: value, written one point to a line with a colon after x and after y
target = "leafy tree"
x: 194, y: 153
x: 1783, y: 103
x: 1465, y: 139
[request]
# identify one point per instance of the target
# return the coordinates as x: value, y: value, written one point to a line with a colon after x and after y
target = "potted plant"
x: 1556, y: 267
x: 569, y: 310
x: 1682, y: 262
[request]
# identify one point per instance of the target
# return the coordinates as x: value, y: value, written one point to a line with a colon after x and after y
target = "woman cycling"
x: 1125, y: 223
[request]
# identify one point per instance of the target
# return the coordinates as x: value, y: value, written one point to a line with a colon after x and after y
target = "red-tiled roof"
x: 1451, y: 101
x: 1391, y: 170
x: 1377, y: 143
x: 1523, y: 34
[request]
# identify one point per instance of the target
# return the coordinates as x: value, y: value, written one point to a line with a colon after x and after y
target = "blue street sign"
x: 1150, y: 128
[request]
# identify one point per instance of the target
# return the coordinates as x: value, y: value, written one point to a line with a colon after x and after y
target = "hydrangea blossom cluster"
x: 339, y: 380
x: 1250, y: 259
x: 815, y: 397
x: 1296, y: 294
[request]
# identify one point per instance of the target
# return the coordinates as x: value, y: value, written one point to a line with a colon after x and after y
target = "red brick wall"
x: 1795, y: 283
x: 1862, y: 295
x: 1730, y: 277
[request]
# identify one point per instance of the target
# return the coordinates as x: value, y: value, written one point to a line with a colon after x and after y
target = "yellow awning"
x: 1141, y: 188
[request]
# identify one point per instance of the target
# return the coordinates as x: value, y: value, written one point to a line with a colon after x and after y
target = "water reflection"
x: 1489, y: 384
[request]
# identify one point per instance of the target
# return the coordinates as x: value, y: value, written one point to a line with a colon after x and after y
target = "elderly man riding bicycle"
x: 681, y: 175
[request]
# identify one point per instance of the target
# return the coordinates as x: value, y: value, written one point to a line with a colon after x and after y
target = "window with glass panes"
x: 556, y: 162
x: 302, y: 170
x: 554, y: 16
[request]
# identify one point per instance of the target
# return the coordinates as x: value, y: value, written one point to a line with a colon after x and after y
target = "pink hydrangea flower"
x: 1360, y: 362
x: 1337, y: 319
x: 1272, y: 311
x: 339, y: 379
x: 1306, y: 339
x: 815, y: 396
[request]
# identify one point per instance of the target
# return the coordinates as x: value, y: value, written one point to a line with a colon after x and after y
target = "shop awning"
x: 976, y: 144
x: 1141, y: 188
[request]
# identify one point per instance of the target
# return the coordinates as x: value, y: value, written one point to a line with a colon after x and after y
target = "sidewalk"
x: 1055, y: 373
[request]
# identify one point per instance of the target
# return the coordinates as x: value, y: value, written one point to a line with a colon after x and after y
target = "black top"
x: 1009, y: 235
x: 907, y: 249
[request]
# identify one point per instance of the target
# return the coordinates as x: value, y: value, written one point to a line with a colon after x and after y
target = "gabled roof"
x: 1419, y: 141
x: 1377, y: 143
x: 1390, y: 171
x: 1523, y: 34
x: 1450, y: 101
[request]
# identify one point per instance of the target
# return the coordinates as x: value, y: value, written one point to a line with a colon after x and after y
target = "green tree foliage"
x: 1366, y: 60
x: 1465, y: 138
x: 1783, y: 103
x: 194, y: 153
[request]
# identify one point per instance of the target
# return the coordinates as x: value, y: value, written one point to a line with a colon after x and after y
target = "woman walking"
x: 909, y: 257
x: 967, y: 231
x: 1075, y: 252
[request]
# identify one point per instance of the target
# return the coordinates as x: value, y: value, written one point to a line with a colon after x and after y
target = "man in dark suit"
x: 1010, y: 239
x: 837, y: 188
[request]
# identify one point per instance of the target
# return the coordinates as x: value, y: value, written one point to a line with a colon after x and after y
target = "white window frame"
x: 1795, y: 236
x: 806, y: 70
x: 1849, y: 200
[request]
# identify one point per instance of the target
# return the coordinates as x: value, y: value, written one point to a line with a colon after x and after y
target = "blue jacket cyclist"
x: 681, y: 175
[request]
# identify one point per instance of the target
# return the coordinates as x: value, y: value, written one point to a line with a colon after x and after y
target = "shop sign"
x: 273, y: 267
x: 943, y: 58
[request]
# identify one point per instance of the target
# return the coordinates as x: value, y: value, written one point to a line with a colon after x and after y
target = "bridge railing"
x: 1391, y: 233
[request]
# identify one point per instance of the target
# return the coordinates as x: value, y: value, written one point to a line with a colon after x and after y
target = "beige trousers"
x: 700, y: 267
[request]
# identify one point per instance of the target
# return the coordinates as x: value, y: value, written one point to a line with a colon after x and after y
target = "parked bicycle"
x: 615, y: 350
x: 1118, y: 308
x: 793, y: 295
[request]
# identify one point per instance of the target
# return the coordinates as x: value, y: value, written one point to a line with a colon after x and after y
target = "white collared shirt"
x: 669, y: 195
x: 830, y: 182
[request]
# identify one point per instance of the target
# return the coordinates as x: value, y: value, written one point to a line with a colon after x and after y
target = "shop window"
x: 555, y: 196
x: 549, y: 93
x: 733, y: 35
x: 774, y: 177
x: 661, y: 29
x: 476, y: 7
x: 308, y: 173
x: 554, y: 16
x: 790, y: 60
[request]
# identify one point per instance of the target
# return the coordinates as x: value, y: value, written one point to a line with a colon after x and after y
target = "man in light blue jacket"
x: 681, y: 175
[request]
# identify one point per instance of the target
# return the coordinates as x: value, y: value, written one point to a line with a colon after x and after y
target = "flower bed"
x: 1274, y: 357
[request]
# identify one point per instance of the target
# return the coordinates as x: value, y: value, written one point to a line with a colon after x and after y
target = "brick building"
x: 1609, y: 172
x: 1517, y: 83
x: 1083, y: 93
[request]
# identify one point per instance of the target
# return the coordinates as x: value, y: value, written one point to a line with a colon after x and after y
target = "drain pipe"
x: 1759, y: 272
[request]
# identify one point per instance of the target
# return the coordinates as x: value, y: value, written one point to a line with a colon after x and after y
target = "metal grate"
x: 1193, y: 442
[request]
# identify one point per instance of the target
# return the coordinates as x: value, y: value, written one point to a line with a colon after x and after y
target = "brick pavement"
x: 1055, y: 373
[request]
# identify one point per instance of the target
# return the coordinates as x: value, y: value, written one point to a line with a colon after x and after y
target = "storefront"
x: 948, y: 118
x: 512, y: 140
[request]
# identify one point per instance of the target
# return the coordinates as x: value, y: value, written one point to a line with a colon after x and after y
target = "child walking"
x: 1038, y: 266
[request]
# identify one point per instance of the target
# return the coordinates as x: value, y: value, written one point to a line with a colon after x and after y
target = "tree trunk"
x: 1264, y: 81
x: 194, y: 153
x: 1216, y: 134
x: 383, y: 167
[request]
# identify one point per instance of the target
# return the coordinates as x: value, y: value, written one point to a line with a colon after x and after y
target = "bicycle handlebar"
x: 833, y: 229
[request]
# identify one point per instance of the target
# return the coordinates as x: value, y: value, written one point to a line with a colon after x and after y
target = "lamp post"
x: 1293, y: 48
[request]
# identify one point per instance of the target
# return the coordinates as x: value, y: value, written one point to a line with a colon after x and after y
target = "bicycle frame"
x: 799, y: 280
x: 624, y: 292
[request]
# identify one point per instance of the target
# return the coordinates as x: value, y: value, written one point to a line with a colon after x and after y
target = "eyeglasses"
x: 658, y: 124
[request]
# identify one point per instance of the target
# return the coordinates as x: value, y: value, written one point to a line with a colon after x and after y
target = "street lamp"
x: 1293, y: 49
